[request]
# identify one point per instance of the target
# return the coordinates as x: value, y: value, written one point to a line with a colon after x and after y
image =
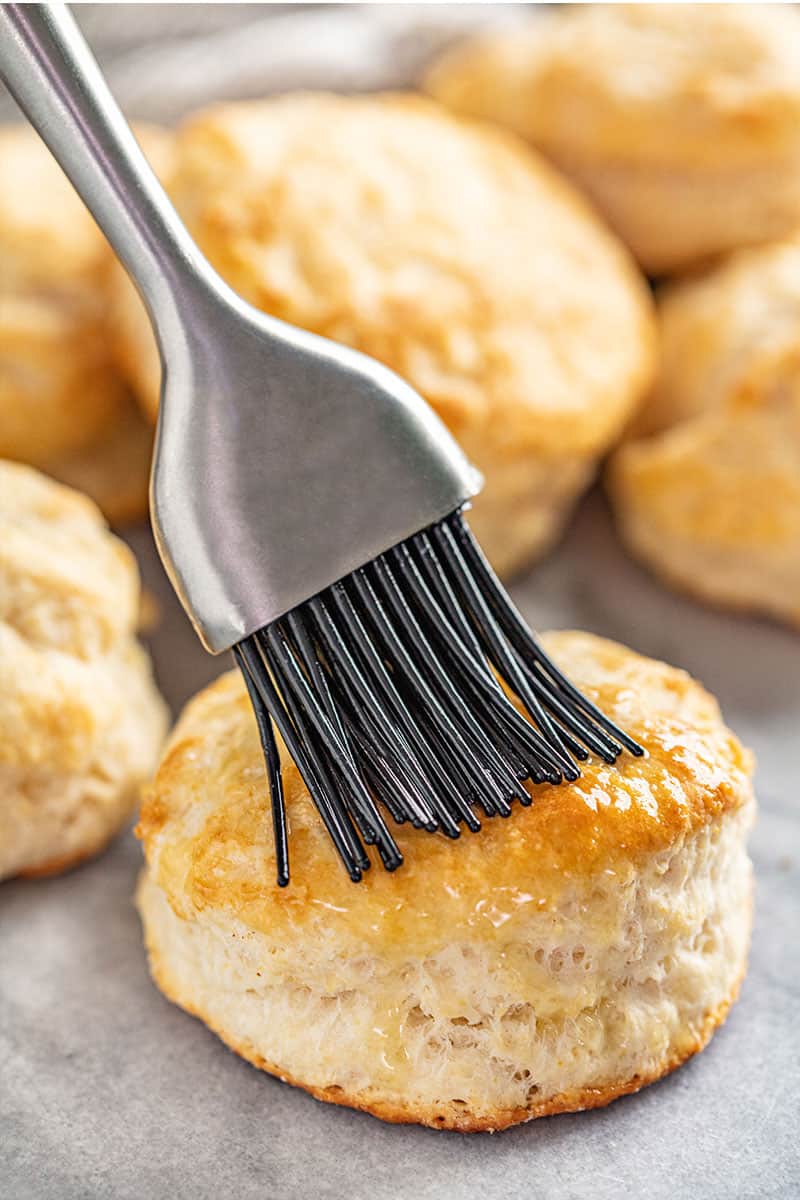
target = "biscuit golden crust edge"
x: 571, y: 954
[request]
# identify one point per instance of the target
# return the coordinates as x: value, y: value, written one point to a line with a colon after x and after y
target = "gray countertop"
x: 106, y: 1090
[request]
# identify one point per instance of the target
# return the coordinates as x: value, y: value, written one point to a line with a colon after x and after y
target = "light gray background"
x: 106, y: 1090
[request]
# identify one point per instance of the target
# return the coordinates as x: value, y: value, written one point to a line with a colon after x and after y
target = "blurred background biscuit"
x: 81, y: 722
x: 707, y: 489
x: 64, y: 406
x: 681, y: 121
x: 447, y: 250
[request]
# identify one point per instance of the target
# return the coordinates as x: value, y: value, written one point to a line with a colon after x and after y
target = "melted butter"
x: 386, y: 1043
x: 483, y: 885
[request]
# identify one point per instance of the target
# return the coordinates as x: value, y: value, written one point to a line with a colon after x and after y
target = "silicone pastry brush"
x: 309, y: 510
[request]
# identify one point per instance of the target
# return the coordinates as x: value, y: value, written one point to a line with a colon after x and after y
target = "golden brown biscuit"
x: 447, y: 251
x: 81, y: 722
x: 681, y: 121
x: 63, y: 405
x: 552, y: 962
x: 707, y: 492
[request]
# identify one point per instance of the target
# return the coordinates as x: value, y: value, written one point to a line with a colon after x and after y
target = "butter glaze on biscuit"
x: 554, y: 961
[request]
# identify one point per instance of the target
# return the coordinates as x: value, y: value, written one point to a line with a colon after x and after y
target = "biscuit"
x: 64, y: 406
x: 707, y: 489
x: 446, y: 250
x: 550, y: 963
x: 681, y: 121
x: 81, y: 722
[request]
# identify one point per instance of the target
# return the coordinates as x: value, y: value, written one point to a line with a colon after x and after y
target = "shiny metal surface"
x: 283, y: 461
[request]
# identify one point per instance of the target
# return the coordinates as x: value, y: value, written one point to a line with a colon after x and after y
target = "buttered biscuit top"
x: 212, y: 847
x: 550, y: 962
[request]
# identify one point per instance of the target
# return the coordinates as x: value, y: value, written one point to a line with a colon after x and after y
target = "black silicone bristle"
x: 392, y: 690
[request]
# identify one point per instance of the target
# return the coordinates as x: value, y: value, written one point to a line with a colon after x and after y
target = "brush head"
x: 412, y: 689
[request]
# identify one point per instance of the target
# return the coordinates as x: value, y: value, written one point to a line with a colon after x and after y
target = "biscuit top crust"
x: 447, y: 250
x: 207, y: 834
x: 652, y: 83
x: 67, y: 585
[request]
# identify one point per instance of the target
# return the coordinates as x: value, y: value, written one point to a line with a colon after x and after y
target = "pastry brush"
x: 309, y: 510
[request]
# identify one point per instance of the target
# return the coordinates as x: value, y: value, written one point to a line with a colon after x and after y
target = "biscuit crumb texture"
x: 81, y: 721
x: 551, y: 963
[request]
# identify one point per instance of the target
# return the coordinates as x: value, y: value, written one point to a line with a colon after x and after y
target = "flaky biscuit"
x: 681, y: 121
x: 551, y: 962
x: 447, y: 251
x: 707, y: 489
x: 81, y: 722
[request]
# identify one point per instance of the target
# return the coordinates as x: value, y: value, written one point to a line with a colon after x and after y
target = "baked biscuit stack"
x: 454, y: 254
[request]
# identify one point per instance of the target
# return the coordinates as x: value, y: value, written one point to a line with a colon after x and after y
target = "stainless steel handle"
x: 54, y: 78
x: 283, y: 461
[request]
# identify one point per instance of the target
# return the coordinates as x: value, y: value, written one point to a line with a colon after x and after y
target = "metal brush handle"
x: 52, y: 75
x: 283, y: 461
